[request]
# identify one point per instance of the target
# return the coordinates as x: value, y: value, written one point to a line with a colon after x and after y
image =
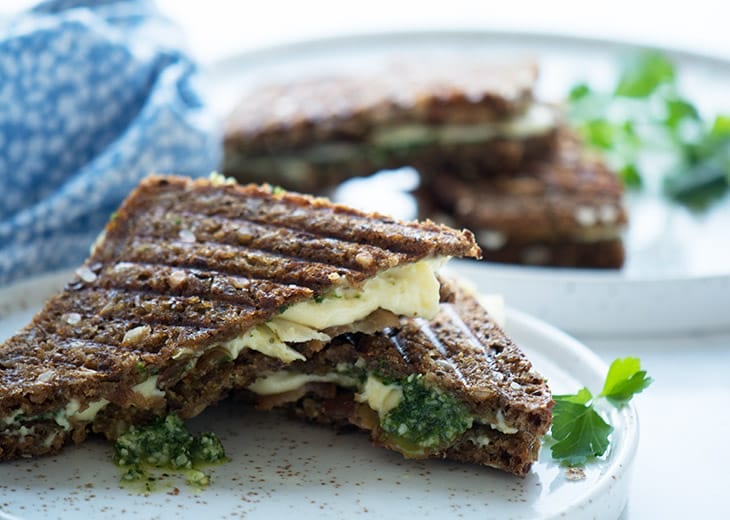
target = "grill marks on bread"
x: 189, y: 264
x: 461, y: 351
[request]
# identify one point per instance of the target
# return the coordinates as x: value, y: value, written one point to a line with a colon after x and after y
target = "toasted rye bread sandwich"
x: 311, y: 134
x: 565, y: 210
x: 453, y: 387
x: 192, y: 278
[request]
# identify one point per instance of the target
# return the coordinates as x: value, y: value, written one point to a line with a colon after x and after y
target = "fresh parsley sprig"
x: 645, y: 120
x: 579, y: 431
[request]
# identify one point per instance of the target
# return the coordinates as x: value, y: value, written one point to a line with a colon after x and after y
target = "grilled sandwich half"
x: 453, y: 387
x: 565, y: 210
x: 311, y: 134
x: 198, y: 287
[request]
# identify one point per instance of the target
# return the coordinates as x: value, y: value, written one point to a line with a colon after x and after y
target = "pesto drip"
x: 166, y: 444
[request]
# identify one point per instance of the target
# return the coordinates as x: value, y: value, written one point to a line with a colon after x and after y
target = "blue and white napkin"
x: 94, y: 95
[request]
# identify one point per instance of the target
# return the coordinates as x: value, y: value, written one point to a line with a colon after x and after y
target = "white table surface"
x: 216, y: 28
x: 682, y: 464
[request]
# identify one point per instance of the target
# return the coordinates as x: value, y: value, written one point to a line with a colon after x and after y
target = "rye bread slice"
x: 598, y: 254
x: 297, y: 113
x: 463, y: 352
x: 185, y: 265
x: 280, y: 124
x: 552, y: 212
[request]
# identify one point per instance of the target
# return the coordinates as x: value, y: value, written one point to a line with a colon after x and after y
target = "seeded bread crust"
x: 564, y: 194
x: 183, y: 266
x: 483, y: 445
x: 514, y: 453
x: 277, y: 124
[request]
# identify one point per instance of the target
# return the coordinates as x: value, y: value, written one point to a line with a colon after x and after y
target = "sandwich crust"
x: 183, y: 266
x: 295, y: 114
x: 564, y: 210
x: 311, y: 134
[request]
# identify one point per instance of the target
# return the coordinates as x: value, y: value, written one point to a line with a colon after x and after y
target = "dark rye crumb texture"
x: 601, y: 254
x: 186, y: 265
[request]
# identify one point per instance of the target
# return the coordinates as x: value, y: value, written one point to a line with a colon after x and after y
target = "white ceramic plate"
x: 677, y: 275
x: 280, y: 466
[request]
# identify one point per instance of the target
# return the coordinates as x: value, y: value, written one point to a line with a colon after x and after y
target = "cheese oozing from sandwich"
x: 295, y: 165
x: 74, y: 412
x: 408, y: 290
x: 537, y: 120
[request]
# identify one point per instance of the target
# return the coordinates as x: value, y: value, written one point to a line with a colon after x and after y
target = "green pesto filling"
x: 166, y: 444
x: 426, y: 417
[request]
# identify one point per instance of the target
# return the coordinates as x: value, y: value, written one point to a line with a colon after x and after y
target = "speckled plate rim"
x: 592, y: 305
x: 578, y: 358
x: 606, y: 499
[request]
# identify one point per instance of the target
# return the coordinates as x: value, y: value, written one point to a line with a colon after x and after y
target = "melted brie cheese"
x: 148, y: 388
x: 280, y: 382
x: 73, y: 413
x: 262, y: 339
x: 481, y: 441
x: 12, y: 418
x: 297, y: 165
x: 380, y: 397
x: 292, y: 332
x: 501, y: 425
x: 408, y: 290
x: 411, y: 290
x: 537, y: 120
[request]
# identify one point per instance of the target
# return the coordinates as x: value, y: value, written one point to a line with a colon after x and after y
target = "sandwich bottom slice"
x: 565, y: 210
x: 454, y: 387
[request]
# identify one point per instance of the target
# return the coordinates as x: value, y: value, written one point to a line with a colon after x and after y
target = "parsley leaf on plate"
x: 580, y: 433
x: 629, y: 174
x: 625, y: 379
x: 583, y: 396
x: 721, y: 126
x: 579, y: 91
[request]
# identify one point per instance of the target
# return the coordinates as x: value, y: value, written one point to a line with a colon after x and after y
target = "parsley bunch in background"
x: 646, y: 121
x: 579, y: 431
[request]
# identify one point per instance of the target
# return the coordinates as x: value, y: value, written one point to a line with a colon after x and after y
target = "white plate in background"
x: 592, y: 303
x: 283, y: 467
x: 677, y: 275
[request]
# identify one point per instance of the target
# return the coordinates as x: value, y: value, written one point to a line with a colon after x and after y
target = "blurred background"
x: 218, y: 28
x: 689, y: 295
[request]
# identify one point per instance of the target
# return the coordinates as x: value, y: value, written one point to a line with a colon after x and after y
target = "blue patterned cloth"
x: 94, y: 95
